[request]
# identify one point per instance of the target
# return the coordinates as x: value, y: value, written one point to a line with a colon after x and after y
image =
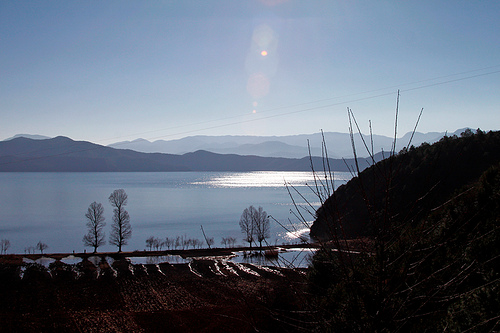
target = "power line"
x: 331, y: 104
x: 450, y: 81
x: 279, y: 114
x: 315, y: 102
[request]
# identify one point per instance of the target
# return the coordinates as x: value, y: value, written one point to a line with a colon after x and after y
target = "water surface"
x: 51, y: 207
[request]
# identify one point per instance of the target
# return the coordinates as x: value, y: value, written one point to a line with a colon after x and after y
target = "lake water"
x: 51, y: 207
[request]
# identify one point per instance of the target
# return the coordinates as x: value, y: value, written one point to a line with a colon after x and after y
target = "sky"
x: 108, y: 71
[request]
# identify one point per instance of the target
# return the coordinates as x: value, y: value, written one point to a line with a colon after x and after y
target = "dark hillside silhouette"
x: 429, y: 255
x: 421, y: 179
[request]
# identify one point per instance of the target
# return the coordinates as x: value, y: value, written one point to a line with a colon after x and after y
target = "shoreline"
x: 185, y: 253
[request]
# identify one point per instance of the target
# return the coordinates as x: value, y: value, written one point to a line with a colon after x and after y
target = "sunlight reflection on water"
x: 291, y: 258
x: 263, y: 179
x: 162, y: 204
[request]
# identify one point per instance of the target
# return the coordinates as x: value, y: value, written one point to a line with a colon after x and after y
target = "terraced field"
x: 205, y: 295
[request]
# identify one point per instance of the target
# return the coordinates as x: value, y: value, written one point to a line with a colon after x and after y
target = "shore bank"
x: 184, y: 253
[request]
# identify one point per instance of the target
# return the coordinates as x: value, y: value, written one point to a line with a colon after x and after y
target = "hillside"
x: 430, y: 252
x: 62, y: 154
x: 409, y: 184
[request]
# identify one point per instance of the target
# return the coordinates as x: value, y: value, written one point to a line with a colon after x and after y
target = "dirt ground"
x: 203, y: 296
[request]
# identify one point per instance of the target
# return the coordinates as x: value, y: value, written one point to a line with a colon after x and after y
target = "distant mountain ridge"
x: 62, y: 154
x: 28, y: 136
x: 293, y: 146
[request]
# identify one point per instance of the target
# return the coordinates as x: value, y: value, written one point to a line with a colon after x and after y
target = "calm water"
x: 50, y: 207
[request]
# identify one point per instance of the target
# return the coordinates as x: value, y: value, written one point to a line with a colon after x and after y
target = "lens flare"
x: 258, y: 85
x: 264, y: 36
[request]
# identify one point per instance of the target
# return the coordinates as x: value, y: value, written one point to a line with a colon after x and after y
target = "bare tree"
x: 185, y: 242
x: 4, y: 246
x: 41, y: 246
x: 247, y: 225
x: 228, y: 241
x: 199, y: 243
x: 150, y: 242
x: 261, y: 224
x: 157, y: 244
x: 29, y: 250
x: 210, y: 241
x: 169, y: 242
x: 254, y: 224
x: 95, y: 223
x: 231, y: 241
x: 120, y: 229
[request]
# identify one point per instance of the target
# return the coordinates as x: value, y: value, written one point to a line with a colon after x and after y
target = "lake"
x: 51, y: 207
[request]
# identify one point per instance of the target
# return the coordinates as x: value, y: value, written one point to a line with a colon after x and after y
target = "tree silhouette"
x: 95, y: 224
x: 254, y: 224
x: 41, y: 246
x: 247, y: 225
x: 4, y: 246
x: 262, y: 225
x: 120, y: 229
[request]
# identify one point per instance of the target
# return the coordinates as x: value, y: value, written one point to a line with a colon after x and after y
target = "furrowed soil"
x: 206, y: 295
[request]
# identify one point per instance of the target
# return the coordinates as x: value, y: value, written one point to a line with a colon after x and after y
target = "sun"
x: 263, y: 53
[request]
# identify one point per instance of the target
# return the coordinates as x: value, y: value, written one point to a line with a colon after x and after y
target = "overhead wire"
x: 276, y: 115
x: 399, y: 86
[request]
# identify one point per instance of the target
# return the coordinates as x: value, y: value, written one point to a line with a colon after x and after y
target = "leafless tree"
x: 198, y: 243
x: 157, y: 244
x: 254, y: 224
x: 150, y: 242
x: 154, y: 243
x: 4, y: 246
x: 29, y: 250
x: 41, y: 246
x: 231, y: 241
x: 247, y: 226
x: 210, y: 241
x: 169, y: 242
x: 185, y: 242
x: 95, y: 224
x: 262, y: 226
x: 121, y: 230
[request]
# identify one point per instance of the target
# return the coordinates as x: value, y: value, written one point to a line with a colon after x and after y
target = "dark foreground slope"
x: 203, y: 296
x: 430, y: 260
x: 406, y: 186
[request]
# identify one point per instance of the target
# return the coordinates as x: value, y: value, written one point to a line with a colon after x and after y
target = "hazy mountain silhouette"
x: 62, y: 154
x: 293, y: 146
x: 29, y: 136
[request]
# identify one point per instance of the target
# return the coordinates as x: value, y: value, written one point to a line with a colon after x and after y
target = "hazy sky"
x: 108, y: 71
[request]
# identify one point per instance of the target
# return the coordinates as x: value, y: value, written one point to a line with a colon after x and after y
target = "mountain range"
x: 62, y: 154
x: 292, y: 146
